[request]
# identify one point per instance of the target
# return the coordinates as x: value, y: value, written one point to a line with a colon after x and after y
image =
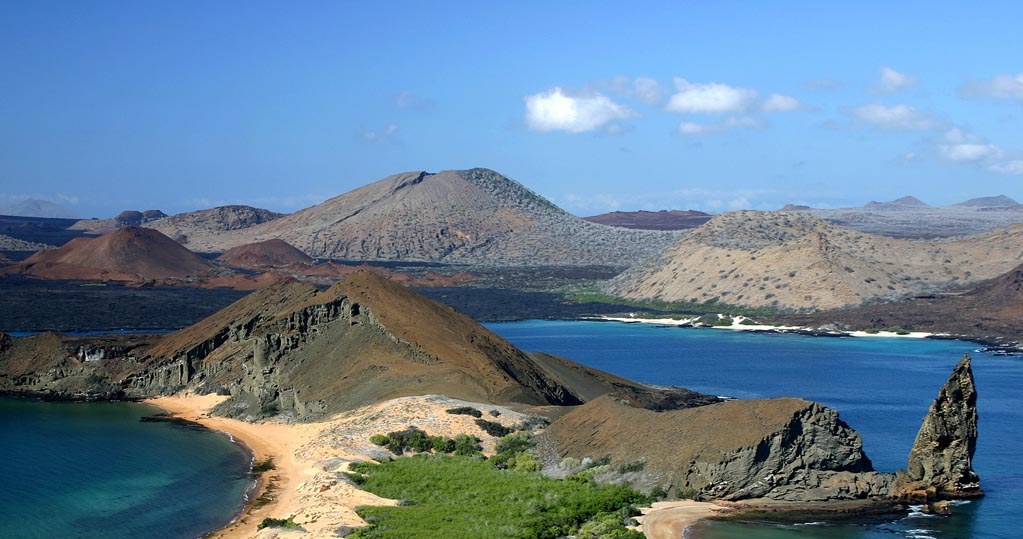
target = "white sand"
x: 737, y: 325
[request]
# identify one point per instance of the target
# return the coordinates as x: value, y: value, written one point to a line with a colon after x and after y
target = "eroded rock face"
x: 780, y: 449
x: 941, y: 460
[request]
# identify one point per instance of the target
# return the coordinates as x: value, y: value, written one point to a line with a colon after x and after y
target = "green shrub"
x: 492, y: 428
x: 442, y: 444
x: 467, y: 446
x: 465, y: 410
x: 285, y: 523
x: 264, y: 466
x: 634, y: 466
x: 379, y: 439
x: 410, y: 439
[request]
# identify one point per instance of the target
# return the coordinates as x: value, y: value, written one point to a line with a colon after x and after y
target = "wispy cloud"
x: 780, y: 103
x: 407, y: 100
x: 386, y: 134
x: 999, y: 87
x: 740, y: 122
x: 895, y: 117
x: 891, y: 81
x: 558, y: 110
x: 1014, y: 167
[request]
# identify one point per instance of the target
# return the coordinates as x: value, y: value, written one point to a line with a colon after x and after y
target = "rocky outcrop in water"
x: 941, y: 461
x: 780, y: 449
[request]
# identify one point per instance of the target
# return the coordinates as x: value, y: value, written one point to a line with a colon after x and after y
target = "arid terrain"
x: 797, y: 261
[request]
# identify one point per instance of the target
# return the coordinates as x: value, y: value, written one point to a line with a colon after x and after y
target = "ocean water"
x: 93, y: 470
x: 881, y: 386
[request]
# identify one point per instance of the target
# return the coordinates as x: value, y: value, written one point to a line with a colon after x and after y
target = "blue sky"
x: 106, y: 106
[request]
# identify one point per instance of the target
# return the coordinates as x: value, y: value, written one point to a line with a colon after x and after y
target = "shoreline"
x: 737, y: 325
x: 272, y: 490
x: 674, y: 519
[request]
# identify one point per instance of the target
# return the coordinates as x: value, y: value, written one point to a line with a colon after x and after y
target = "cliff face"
x: 942, y: 456
x: 782, y: 449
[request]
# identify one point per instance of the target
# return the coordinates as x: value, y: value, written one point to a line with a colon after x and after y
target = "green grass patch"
x: 469, y: 497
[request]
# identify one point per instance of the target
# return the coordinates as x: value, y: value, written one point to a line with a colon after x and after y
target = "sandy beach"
x: 669, y: 520
x: 737, y: 324
x: 307, y: 484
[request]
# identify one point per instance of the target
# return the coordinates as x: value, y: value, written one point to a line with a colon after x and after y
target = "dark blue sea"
x: 93, y: 470
x: 880, y: 386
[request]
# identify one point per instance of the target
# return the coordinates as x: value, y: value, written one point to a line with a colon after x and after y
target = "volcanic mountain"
x: 797, y: 261
x: 126, y: 254
x: 471, y: 216
x: 652, y: 220
x: 265, y: 254
x: 198, y: 228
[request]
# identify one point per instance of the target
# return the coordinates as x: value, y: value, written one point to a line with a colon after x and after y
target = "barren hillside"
x: 797, y: 261
x: 473, y: 216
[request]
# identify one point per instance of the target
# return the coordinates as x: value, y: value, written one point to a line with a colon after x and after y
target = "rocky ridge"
x: 798, y: 261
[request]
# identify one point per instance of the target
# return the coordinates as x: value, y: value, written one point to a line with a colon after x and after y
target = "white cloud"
x: 741, y: 122
x: 780, y: 103
x: 968, y: 152
x: 554, y: 110
x: 647, y: 90
x: 999, y: 87
x: 409, y: 101
x: 1014, y: 167
x: 387, y: 134
x: 892, y: 81
x: 895, y: 117
x: 963, y: 147
x: 709, y: 98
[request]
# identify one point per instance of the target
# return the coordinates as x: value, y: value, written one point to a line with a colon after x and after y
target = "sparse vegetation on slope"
x: 796, y: 261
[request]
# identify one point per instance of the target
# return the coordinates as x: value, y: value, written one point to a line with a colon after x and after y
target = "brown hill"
x: 291, y: 347
x: 784, y: 449
x: 652, y: 220
x: 472, y: 216
x: 797, y: 261
x: 265, y: 254
x: 126, y: 254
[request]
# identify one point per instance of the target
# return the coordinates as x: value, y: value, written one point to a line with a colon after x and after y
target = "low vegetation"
x: 264, y: 466
x: 285, y: 523
x: 471, y: 497
x: 465, y: 410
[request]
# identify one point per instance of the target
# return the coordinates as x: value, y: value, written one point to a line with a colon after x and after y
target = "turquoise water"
x: 882, y: 387
x: 93, y: 470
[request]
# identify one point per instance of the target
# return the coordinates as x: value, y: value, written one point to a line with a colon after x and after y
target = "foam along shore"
x: 742, y: 323
x: 307, y: 484
x: 670, y: 520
